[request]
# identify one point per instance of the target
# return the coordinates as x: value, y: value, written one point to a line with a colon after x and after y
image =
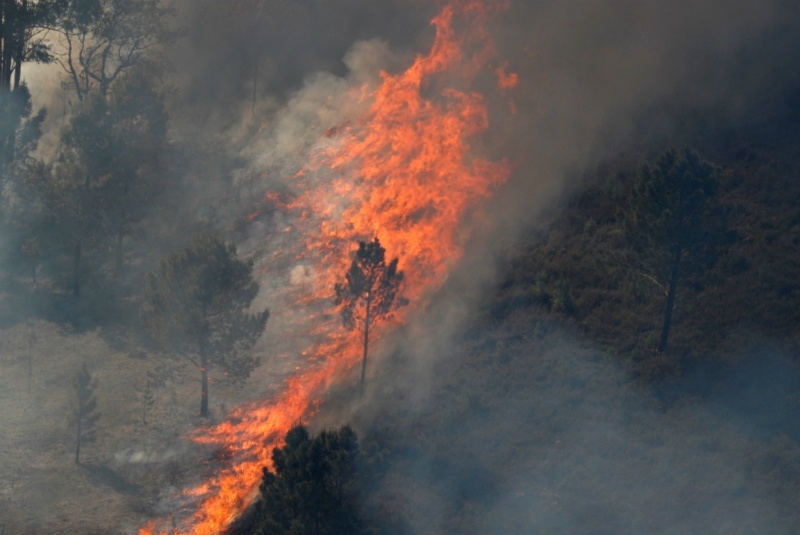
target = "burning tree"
x: 197, y: 304
x: 369, y: 294
x: 83, y: 406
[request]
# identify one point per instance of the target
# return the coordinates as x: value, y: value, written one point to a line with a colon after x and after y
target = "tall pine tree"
x: 370, y: 292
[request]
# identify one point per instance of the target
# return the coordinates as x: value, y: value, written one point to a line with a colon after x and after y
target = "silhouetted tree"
x: 23, y: 29
x: 196, y: 304
x: 23, y: 36
x: 20, y: 131
x: 109, y: 170
x: 105, y: 38
x: 83, y: 405
x: 314, y: 487
x: 674, y: 200
x: 370, y: 292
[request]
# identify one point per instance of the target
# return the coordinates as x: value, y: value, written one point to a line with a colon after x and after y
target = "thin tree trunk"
x: 20, y: 45
x: 30, y: 363
x: 145, y: 396
x: 673, y: 284
x: 203, y: 385
x: 4, y: 30
x: 366, y: 342
x: 78, y: 442
x: 8, y: 44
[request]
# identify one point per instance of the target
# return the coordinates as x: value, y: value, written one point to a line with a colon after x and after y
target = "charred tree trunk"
x: 673, y: 284
x: 203, y: 385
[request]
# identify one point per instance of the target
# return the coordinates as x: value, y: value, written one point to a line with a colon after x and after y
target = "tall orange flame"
x: 402, y: 172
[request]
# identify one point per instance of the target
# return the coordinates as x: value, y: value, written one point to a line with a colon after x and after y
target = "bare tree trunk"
x: 19, y: 44
x: 8, y: 43
x: 673, y: 284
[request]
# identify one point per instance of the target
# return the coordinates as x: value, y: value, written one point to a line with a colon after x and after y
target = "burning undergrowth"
x: 392, y: 160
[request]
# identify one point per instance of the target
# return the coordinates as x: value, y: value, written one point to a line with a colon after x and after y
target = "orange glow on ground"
x: 402, y: 172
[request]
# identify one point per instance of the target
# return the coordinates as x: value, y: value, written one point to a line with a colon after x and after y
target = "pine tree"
x: 314, y: 487
x: 196, y: 306
x: 370, y: 292
x: 676, y: 216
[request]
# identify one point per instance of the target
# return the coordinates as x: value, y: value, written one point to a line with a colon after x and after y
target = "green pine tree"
x: 197, y: 306
x: 314, y: 487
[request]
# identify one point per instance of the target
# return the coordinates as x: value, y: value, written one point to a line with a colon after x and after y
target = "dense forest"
x: 616, y: 351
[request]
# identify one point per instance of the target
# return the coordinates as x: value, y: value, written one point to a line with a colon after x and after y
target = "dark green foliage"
x: 20, y: 41
x: 672, y: 209
x: 196, y: 305
x: 671, y: 198
x: 738, y: 272
x: 314, y: 487
x: 108, y: 175
x: 15, y: 107
x: 19, y: 136
x: 370, y: 292
x: 83, y: 405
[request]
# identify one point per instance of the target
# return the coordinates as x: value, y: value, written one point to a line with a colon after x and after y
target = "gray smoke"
x: 255, y: 84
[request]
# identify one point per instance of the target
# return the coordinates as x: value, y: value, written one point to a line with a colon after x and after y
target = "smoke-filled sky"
x: 593, y: 75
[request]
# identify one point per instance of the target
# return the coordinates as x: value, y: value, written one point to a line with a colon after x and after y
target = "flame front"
x: 403, y: 172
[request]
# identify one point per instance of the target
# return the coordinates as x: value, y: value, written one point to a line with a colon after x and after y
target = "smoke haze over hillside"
x: 257, y: 89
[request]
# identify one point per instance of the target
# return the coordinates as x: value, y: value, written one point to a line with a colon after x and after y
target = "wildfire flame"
x: 402, y: 172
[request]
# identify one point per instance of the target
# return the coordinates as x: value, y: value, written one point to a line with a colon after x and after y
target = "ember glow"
x: 404, y: 172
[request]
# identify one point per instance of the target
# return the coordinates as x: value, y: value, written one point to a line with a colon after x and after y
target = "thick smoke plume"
x: 592, y: 80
